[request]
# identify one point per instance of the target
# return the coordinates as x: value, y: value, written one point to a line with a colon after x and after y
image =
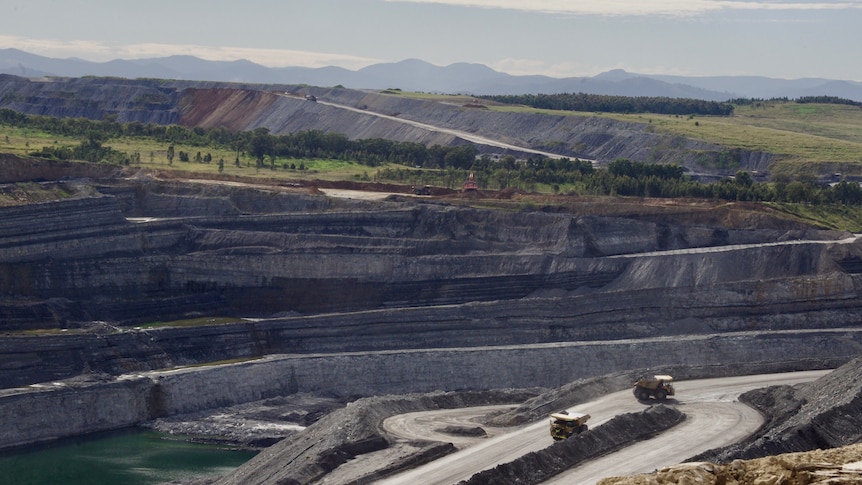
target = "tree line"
x: 259, y: 143
x: 617, y: 104
x: 646, y: 104
x: 800, y: 100
x: 441, y: 166
x: 627, y: 178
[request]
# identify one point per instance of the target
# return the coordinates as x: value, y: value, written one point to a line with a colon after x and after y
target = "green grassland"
x: 805, y: 135
x: 835, y: 217
x: 154, y: 155
x: 23, y: 141
x: 809, y: 138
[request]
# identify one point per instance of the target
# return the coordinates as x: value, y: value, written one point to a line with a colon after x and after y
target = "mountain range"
x: 418, y: 75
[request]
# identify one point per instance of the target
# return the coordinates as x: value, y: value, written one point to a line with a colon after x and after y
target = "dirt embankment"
x: 233, y: 109
x: 355, y: 430
x: 542, y: 465
x: 14, y: 169
x: 823, y: 414
x: 836, y: 466
x: 730, y: 215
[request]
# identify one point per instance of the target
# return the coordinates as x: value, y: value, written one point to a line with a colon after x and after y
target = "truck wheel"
x: 661, y: 394
x: 642, y: 394
x: 582, y: 428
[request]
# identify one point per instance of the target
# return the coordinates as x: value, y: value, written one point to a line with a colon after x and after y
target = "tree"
x: 622, y: 167
x: 796, y: 191
x: 743, y: 178
x: 848, y: 193
x: 171, y: 155
x: 261, y: 145
x: 461, y: 157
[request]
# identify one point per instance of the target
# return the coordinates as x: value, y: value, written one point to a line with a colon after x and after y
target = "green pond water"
x: 132, y: 457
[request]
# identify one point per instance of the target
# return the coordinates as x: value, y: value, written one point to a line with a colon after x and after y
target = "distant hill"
x: 418, y: 75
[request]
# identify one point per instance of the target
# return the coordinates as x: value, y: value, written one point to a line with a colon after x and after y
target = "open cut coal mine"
x: 264, y: 290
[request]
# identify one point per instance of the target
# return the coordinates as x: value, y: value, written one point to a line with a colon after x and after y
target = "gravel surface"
x: 823, y: 414
x: 812, y: 435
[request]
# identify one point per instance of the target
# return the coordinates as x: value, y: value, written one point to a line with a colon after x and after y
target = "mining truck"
x: 657, y: 386
x: 565, y: 424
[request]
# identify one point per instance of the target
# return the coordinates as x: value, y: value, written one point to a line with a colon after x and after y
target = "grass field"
x: 841, y: 218
x: 154, y: 155
x: 809, y: 138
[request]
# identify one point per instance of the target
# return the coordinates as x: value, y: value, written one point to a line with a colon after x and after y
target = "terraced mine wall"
x: 326, y: 275
x: 26, y: 360
x: 230, y: 252
x: 94, y: 98
x: 53, y: 410
x: 370, y: 297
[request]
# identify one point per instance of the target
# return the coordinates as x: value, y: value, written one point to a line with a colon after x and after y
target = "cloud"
x: 642, y: 7
x: 100, y: 52
x: 526, y: 67
x: 263, y: 56
x: 55, y: 48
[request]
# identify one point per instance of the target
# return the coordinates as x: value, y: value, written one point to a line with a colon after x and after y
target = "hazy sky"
x: 776, y: 38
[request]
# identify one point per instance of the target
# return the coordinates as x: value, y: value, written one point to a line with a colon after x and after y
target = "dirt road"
x: 714, y: 418
x: 459, y: 133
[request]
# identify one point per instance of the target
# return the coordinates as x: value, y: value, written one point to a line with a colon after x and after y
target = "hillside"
x: 790, y: 139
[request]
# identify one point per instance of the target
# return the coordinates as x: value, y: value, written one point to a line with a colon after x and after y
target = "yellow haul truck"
x: 657, y: 386
x: 565, y: 424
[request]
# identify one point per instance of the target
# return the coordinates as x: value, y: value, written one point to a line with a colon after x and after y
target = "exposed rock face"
x: 336, y: 275
x: 95, y: 98
x: 283, y: 109
x: 812, y: 430
x: 819, y: 415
